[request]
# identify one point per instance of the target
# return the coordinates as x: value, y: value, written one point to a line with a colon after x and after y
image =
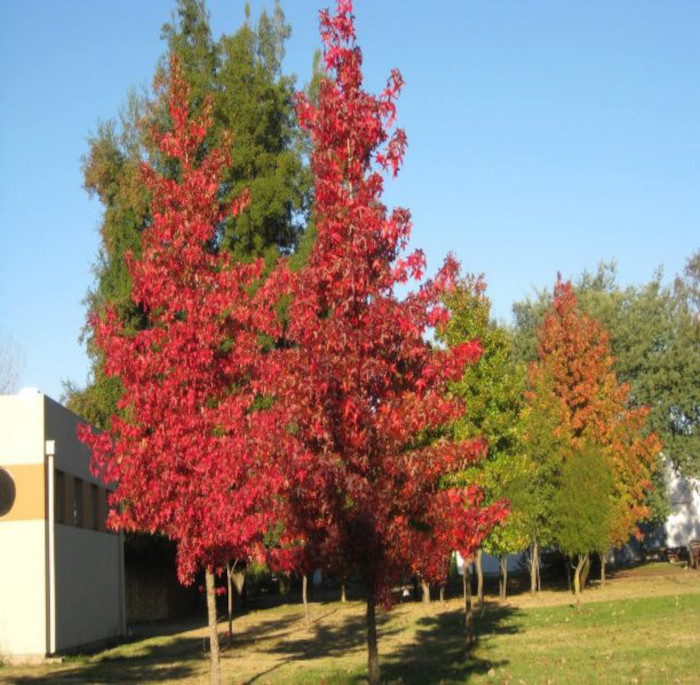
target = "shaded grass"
x: 641, y: 629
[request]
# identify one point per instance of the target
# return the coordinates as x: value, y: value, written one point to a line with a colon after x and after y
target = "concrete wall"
x: 87, y: 565
x: 89, y: 586
x: 22, y: 588
x: 23, y: 601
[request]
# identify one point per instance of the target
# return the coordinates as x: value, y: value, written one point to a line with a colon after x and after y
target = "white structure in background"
x: 683, y: 524
x: 490, y: 565
x: 61, y: 572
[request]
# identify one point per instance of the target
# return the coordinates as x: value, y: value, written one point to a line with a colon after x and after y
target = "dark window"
x: 59, y: 494
x: 78, y: 513
x: 95, y: 501
x: 7, y: 492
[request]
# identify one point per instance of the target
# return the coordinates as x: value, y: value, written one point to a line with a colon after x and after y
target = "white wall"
x: 23, y: 588
x: 89, y: 586
x: 683, y: 525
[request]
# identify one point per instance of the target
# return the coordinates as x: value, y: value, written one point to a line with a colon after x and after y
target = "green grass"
x: 642, y: 629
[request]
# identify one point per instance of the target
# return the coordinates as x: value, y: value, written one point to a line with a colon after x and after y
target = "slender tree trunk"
x: 534, y: 567
x: 229, y: 588
x: 305, y: 598
x: 479, y: 577
x: 577, y: 577
x: 601, y: 556
x: 426, y: 591
x: 503, y: 580
x: 585, y: 571
x: 343, y: 597
x: 215, y: 675
x: 372, y: 651
x: 539, y: 576
x: 442, y: 593
x: 468, y: 611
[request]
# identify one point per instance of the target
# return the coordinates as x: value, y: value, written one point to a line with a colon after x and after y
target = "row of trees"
x: 290, y: 412
x: 570, y: 446
x: 263, y: 393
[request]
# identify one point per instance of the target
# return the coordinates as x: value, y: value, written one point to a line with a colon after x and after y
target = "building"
x: 61, y: 571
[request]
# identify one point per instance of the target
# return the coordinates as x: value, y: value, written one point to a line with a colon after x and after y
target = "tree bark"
x: 601, y: 556
x: 426, y: 591
x: 215, y: 669
x: 442, y: 593
x: 503, y: 579
x: 305, y: 598
x: 229, y: 606
x: 372, y: 651
x: 534, y: 567
x: 468, y: 611
x: 582, y: 560
x: 585, y: 571
x: 479, y: 577
x: 343, y: 597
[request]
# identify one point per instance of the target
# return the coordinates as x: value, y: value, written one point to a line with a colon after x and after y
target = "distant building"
x: 61, y: 571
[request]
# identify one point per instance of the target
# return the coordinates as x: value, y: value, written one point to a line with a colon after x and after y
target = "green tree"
x: 491, y: 391
x: 254, y: 101
x: 544, y: 443
x: 582, y: 508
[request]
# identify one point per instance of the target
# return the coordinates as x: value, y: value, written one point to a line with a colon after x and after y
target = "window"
x: 59, y: 497
x: 7, y: 492
x: 78, y: 513
x: 95, y: 501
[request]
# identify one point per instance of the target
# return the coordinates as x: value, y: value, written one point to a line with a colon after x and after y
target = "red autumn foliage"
x: 189, y: 454
x: 358, y: 385
x: 576, y: 366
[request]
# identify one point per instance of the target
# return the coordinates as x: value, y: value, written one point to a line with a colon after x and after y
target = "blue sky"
x: 543, y: 137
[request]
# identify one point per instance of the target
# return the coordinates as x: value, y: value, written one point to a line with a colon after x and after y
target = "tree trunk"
x: 582, y: 560
x: 569, y: 566
x: 215, y: 674
x: 305, y: 598
x: 442, y: 593
x: 503, y: 579
x: 534, y: 567
x: 602, y: 569
x: 229, y: 588
x: 468, y: 612
x: 343, y: 597
x: 479, y: 578
x: 372, y: 651
x: 585, y: 571
x: 426, y: 591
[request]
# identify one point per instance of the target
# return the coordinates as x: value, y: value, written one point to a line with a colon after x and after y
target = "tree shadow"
x: 157, y: 663
x: 440, y: 653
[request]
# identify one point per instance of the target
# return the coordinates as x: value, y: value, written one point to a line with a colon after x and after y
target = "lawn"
x: 642, y: 628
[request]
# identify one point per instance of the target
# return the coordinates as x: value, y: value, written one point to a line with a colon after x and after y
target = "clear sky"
x: 543, y: 136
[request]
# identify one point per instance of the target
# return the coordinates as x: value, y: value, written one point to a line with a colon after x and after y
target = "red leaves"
x: 190, y: 451
x: 361, y: 387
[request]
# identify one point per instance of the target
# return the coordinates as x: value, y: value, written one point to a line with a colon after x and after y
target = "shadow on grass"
x: 157, y: 662
x: 440, y: 654
x: 437, y: 653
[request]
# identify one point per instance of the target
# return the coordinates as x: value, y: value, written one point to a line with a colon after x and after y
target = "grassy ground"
x: 642, y: 628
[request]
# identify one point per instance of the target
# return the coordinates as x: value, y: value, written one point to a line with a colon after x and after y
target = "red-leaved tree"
x: 189, y: 448
x: 361, y: 390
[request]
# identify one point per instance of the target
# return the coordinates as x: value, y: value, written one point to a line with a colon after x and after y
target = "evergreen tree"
x: 253, y: 100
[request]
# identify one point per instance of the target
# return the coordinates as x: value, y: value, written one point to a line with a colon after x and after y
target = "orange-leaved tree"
x: 575, y: 368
